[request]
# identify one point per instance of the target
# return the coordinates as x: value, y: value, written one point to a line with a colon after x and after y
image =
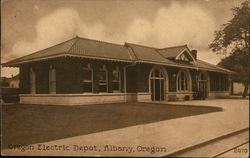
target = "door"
x: 157, y: 90
x: 157, y: 84
x: 203, y: 89
x: 203, y: 85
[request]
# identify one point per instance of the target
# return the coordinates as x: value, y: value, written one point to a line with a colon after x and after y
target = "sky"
x: 31, y: 25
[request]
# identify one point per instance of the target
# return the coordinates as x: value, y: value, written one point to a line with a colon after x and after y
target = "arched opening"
x: 203, y: 84
x: 157, y: 83
x: 183, y: 81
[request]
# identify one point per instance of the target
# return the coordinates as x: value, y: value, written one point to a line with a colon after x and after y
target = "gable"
x: 185, y: 56
x: 171, y: 52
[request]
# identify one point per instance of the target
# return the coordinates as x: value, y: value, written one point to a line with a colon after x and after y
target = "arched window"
x: 202, y: 76
x: 183, y: 81
x: 157, y: 84
x: 116, y: 80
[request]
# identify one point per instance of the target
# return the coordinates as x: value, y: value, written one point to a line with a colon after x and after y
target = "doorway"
x: 203, y: 89
x: 203, y: 85
x: 157, y: 84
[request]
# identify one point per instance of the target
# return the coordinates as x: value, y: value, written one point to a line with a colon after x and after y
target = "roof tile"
x: 128, y: 52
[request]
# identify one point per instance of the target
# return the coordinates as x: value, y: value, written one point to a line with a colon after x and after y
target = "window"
x: 202, y: 77
x: 116, y: 80
x: 182, y: 81
x: 87, y: 79
x: 103, y: 79
x: 32, y: 81
x: 183, y: 57
x: 52, y: 80
x: 219, y: 83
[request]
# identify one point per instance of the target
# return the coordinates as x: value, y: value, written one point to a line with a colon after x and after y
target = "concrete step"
x: 218, y: 146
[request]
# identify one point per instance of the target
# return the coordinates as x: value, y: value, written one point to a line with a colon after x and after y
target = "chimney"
x: 194, y: 53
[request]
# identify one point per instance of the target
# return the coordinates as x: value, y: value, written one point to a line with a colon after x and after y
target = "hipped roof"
x: 93, y: 49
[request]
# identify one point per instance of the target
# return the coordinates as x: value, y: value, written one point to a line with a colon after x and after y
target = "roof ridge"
x: 83, y: 38
x: 141, y: 45
x: 74, y: 43
x: 185, y: 45
x: 130, y: 48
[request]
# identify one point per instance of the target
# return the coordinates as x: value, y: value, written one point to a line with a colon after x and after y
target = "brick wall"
x: 24, y: 79
x: 193, y: 74
x: 138, y: 78
x: 172, y: 71
x: 142, y: 71
x: 69, y: 75
x: 131, y: 80
x: 42, y: 78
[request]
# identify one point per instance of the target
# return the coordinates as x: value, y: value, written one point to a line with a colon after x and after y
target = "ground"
x: 173, y: 125
x: 28, y: 124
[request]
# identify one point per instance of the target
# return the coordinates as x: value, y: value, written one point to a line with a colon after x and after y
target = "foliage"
x: 232, y: 62
x: 235, y: 33
x: 233, y: 41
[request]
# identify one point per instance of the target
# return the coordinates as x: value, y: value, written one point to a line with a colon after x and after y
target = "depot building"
x: 84, y: 71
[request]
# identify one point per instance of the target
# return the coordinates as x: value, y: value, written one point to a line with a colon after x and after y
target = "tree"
x: 232, y: 40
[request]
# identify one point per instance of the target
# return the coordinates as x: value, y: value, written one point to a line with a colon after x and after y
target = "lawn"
x: 28, y: 124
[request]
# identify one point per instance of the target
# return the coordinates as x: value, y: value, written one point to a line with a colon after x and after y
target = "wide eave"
x: 99, y: 50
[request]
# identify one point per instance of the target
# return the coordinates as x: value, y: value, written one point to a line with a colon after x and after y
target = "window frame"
x: 161, y: 76
x: 186, y: 81
x: 116, y: 81
x: 103, y: 68
x: 183, y: 57
x: 88, y: 68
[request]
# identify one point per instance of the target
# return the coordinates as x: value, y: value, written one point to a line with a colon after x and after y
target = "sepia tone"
x: 118, y: 78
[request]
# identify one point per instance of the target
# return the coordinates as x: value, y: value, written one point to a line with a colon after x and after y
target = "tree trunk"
x: 245, y: 91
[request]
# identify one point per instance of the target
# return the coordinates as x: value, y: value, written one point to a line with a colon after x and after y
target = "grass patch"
x: 28, y: 124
